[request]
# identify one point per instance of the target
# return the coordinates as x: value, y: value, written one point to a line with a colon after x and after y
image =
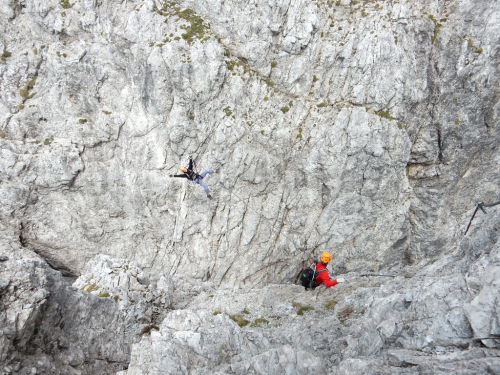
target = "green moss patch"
x: 25, y: 90
x: 331, y: 304
x: 91, y: 288
x: 66, y: 4
x: 233, y: 65
x: 239, y: 319
x: 301, y: 309
x: 258, y: 321
x: 384, y: 114
x: 195, y: 28
x: 269, y: 83
x: 228, y: 111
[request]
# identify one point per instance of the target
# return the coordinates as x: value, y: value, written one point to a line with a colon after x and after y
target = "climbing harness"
x: 479, y: 205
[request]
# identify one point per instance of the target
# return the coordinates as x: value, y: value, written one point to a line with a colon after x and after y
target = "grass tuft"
x: 66, y: 4
x: 301, y: 309
x: 437, y: 27
x: 228, y: 111
x: 331, y: 304
x: 239, y: 319
x: 258, y: 321
x: 384, y: 114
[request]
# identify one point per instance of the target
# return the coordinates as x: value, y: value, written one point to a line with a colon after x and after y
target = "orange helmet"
x: 184, y: 169
x: 325, y: 257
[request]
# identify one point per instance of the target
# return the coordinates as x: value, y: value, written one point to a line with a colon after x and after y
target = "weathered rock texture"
x: 363, y: 128
x: 47, y: 327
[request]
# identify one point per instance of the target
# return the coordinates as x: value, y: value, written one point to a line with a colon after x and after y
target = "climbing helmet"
x: 325, y: 257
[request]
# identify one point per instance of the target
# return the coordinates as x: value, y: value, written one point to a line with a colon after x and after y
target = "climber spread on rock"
x: 191, y: 175
x: 323, y: 277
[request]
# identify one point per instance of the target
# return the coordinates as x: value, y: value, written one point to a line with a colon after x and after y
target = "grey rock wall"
x: 121, y: 98
x: 363, y: 128
x: 48, y: 327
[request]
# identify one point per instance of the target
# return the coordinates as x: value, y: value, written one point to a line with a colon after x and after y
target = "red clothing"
x: 323, y: 277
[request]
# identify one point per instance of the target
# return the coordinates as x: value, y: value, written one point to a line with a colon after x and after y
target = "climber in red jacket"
x: 322, y: 277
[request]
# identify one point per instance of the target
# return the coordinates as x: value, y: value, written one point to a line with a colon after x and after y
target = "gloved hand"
x: 340, y: 280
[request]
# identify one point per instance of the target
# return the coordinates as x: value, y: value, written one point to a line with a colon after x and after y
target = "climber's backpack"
x: 308, y: 276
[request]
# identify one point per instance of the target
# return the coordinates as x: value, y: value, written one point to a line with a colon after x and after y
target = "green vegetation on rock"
x: 301, y: 309
x: 259, y: 321
x: 228, y: 111
x: 331, y: 304
x: 239, y: 319
x: 384, y: 114
x: 437, y: 27
x: 25, y: 90
x: 66, y: 4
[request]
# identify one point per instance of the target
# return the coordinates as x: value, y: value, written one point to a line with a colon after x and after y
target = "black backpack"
x: 308, y: 276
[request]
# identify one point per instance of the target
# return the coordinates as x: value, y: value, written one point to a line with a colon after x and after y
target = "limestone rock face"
x: 367, y: 129
x: 435, y: 320
x: 49, y: 327
x: 139, y: 298
x: 112, y: 98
